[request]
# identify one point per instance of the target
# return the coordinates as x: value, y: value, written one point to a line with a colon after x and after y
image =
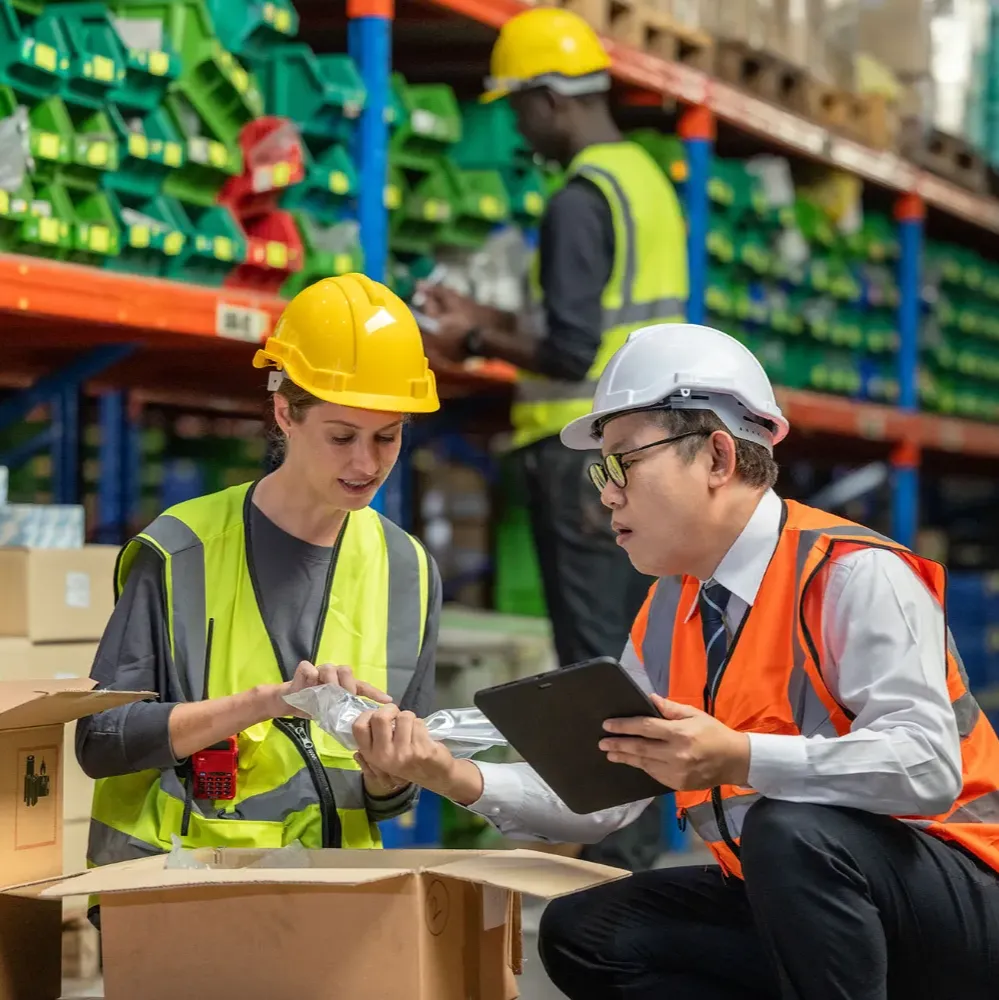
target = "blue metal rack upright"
x: 369, y: 40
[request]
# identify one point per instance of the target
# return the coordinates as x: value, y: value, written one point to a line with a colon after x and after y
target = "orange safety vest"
x: 772, y: 680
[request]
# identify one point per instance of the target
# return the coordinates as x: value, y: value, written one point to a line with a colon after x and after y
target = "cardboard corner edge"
x: 493, y: 868
x: 36, y: 888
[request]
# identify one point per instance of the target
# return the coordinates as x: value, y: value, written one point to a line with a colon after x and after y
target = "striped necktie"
x: 712, y: 602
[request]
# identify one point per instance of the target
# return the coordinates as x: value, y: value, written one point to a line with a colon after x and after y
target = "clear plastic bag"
x: 464, y: 731
x: 181, y: 857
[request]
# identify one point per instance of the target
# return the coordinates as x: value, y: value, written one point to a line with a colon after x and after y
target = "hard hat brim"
x: 496, y: 94
x: 578, y: 435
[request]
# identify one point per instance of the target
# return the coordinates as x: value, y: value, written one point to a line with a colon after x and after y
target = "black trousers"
x: 836, y: 905
x: 592, y: 591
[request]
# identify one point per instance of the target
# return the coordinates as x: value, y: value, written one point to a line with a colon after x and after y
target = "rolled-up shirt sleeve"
x: 576, y: 252
x: 133, y: 655
x: 884, y: 637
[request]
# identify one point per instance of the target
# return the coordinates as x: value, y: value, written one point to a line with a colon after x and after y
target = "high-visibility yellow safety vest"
x: 648, y: 282
x: 294, y: 781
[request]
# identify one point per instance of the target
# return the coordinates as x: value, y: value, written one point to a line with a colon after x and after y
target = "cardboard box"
x: 22, y: 659
x: 57, y: 595
x: 33, y: 715
x: 424, y: 925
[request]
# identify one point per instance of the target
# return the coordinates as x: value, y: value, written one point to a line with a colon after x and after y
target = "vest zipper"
x: 297, y: 730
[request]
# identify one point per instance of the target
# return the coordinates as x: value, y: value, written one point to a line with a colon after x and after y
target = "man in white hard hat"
x: 816, y: 724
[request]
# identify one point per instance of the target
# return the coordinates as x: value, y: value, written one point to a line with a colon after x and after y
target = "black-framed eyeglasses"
x: 614, y: 468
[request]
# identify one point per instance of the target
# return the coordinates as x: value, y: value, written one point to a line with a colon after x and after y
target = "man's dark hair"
x: 754, y: 465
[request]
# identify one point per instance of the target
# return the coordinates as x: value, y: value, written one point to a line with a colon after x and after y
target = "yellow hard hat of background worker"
x: 352, y: 341
x: 547, y: 47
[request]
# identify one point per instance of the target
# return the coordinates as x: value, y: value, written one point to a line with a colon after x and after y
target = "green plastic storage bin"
x: 219, y: 88
x: 75, y: 144
x: 251, y: 27
x: 323, y: 94
x: 15, y: 207
x: 430, y: 127
x: 208, y: 161
x: 526, y: 192
x: 150, y: 149
x: 329, y: 183
x: 34, y: 55
x: 479, y: 204
x: 153, y: 230
x: 149, y: 70
x: 96, y: 235
x: 490, y: 140
x: 96, y: 55
x: 215, y: 245
x: 49, y: 137
x: 426, y: 208
x: 329, y: 250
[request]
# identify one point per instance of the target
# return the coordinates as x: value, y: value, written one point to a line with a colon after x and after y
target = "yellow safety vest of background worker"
x: 222, y: 597
x: 612, y: 257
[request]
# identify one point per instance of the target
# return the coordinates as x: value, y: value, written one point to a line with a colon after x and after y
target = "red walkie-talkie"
x: 214, y: 770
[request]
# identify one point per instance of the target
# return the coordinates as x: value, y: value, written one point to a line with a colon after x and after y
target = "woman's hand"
x: 307, y: 675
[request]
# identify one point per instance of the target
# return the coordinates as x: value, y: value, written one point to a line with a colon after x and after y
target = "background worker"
x: 230, y: 601
x: 612, y: 257
x: 818, y: 725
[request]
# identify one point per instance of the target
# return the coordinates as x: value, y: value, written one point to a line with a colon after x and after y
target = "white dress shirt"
x: 883, y: 658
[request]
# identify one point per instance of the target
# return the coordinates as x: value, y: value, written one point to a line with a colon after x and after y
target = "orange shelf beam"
x: 683, y: 83
x: 88, y: 295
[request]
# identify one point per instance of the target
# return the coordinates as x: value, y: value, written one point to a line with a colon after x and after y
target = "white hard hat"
x: 683, y: 367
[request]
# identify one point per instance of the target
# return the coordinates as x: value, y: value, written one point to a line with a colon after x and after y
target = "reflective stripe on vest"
x: 379, y: 596
x: 810, y: 707
x: 646, y: 286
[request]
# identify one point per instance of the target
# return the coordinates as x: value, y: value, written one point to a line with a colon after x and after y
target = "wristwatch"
x: 473, y: 343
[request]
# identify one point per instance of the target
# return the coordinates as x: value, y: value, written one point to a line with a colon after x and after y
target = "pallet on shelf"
x: 768, y: 76
x: 663, y: 37
x: 950, y: 157
x: 872, y: 119
x: 642, y: 25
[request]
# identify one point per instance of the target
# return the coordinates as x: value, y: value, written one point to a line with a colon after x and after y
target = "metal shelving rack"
x: 66, y: 329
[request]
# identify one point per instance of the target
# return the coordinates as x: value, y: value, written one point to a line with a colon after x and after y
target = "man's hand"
x: 686, y: 749
x: 397, y: 743
x: 455, y: 315
x: 308, y: 675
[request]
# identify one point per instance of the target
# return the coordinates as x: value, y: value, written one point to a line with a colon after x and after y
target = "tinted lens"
x: 613, y: 466
x: 598, y: 476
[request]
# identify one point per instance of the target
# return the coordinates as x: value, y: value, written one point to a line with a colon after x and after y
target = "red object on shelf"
x: 272, y: 161
x: 273, y: 252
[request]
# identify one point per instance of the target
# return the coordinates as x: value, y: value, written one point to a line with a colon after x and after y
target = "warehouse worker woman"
x: 230, y: 601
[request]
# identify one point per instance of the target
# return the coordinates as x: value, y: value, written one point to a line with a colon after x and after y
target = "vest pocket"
x: 205, y: 832
x: 209, y: 831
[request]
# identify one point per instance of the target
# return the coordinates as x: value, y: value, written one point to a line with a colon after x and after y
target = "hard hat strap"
x: 274, y: 380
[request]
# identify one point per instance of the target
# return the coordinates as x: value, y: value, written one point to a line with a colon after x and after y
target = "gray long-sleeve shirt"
x: 134, y: 653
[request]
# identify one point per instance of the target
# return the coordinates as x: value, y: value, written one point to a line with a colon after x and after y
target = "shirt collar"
x: 743, y: 566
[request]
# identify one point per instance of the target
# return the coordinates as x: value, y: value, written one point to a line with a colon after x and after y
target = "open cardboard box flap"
x: 526, y: 871
x: 27, y: 704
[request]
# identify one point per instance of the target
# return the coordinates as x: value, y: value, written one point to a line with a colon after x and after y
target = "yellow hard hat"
x: 352, y: 341
x: 547, y: 47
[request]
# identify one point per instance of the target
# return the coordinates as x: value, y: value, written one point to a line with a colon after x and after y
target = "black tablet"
x: 555, y: 721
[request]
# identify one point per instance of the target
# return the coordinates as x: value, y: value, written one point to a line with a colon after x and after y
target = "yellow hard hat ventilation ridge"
x: 351, y: 340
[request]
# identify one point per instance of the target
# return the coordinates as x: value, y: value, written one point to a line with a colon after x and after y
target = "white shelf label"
x: 241, y: 323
